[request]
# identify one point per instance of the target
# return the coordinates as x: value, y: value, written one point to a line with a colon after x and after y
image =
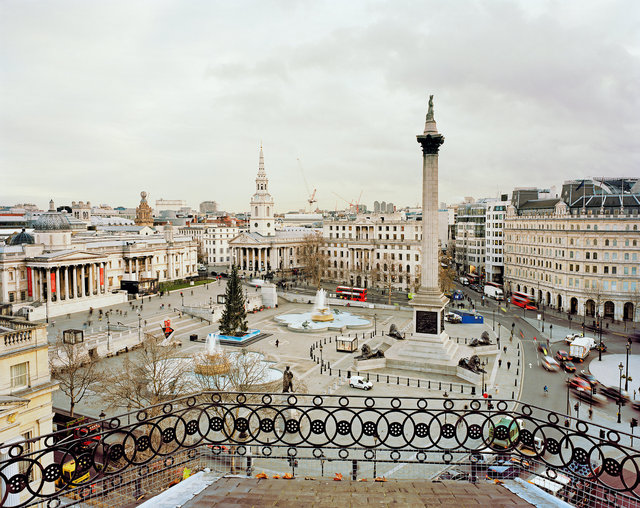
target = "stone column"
x: 48, y: 285
x: 66, y: 283
x: 34, y: 289
x: 83, y: 286
x: 429, y: 301
x: 4, y: 273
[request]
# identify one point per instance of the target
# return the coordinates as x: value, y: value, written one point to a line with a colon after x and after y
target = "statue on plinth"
x: 287, y: 381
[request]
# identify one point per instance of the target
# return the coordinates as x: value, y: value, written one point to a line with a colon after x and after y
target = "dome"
x: 20, y: 238
x: 52, y: 221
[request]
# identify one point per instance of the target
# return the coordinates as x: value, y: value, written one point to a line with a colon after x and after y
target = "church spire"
x: 261, y: 172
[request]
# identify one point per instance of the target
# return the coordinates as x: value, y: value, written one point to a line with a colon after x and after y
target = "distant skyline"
x: 102, y: 100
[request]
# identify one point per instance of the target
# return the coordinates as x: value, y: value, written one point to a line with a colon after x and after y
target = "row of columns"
x: 138, y: 264
x: 71, y: 282
x: 256, y: 258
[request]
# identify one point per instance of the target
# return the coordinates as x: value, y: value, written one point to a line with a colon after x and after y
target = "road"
x: 535, y: 377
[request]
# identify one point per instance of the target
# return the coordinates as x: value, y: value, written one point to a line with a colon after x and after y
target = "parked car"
x: 562, y: 356
x: 587, y: 376
x: 568, y: 366
x: 452, y: 317
x: 613, y: 392
x: 360, y: 382
x: 550, y: 364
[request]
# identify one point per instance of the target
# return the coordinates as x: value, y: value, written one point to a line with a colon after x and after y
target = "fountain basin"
x: 304, y: 322
x: 324, y: 315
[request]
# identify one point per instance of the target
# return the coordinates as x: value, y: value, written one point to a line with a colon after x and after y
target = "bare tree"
x: 152, y: 374
x: 314, y: 258
x: 74, y: 370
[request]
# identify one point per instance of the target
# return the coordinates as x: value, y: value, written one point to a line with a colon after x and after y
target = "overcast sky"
x: 103, y: 99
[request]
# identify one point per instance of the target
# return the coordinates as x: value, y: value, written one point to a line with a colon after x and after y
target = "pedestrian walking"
x: 500, y: 362
x: 277, y: 343
x: 504, y: 349
x: 508, y: 365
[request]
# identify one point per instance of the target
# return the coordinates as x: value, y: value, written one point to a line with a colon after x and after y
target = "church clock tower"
x: 262, y: 204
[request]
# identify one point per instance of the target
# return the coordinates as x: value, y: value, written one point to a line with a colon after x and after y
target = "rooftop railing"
x: 358, y: 436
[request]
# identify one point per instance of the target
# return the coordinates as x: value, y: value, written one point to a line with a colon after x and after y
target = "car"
x: 577, y: 383
x: 360, y: 382
x: 562, y: 356
x: 550, y: 364
x: 570, y: 338
x: 587, y: 376
x: 452, y: 317
x: 543, y: 349
x: 568, y: 366
x: 613, y: 392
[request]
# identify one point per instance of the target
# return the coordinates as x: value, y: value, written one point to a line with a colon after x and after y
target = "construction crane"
x: 352, y: 205
x: 312, y: 195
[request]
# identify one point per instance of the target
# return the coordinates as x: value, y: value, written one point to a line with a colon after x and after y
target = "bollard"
x: 513, y: 395
x: 439, y: 385
x: 377, y: 378
x: 387, y: 379
x: 408, y: 382
x: 398, y: 381
x: 517, y: 372
x: 461, y: 388
x: 515, y: 382
x: 367, y: 376
x: 429, y: 384
x: 418, y: 382
x: 339, y: 375
x: 451, y: 387
x: 518, y: 362
x: 329, y: 370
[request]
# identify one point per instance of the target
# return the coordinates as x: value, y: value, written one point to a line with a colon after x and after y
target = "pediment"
x: 66, y: 256
x: 244, y: 239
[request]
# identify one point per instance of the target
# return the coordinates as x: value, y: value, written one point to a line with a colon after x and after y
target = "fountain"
x: 321, y: 318
x: 213, y: 361
x: 321, y: 310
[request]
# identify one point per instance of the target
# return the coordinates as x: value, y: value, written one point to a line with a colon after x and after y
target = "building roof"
x: 52, y: 221
x: 21, y: 238
x: 540, y: 204
x: 238, y: 491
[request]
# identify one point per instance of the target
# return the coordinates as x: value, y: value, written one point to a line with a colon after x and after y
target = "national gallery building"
x: 58, y: 269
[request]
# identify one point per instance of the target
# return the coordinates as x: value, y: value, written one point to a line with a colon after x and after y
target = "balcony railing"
x: 358, y: 436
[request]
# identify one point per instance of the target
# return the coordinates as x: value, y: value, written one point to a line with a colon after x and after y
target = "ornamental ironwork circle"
x: 323, y: 427
x: 317, y: 426
x: 266, y: 425
x: 395, y: 429
x: 448, y: 431
x: 344, y: 428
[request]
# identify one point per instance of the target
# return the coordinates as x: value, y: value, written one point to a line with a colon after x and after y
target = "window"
x: 27, y: 448
x: 20, y: 375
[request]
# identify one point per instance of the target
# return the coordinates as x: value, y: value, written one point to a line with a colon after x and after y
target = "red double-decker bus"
x: 347, y: 293
x: 523, y: 300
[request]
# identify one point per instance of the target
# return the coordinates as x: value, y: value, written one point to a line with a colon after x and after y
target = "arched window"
x: 256, y: 211
x: 267, y: 211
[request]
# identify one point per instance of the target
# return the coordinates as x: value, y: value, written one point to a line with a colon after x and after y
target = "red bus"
x: 474, y: 278
x: 523, y: 300
x: 347, y: 293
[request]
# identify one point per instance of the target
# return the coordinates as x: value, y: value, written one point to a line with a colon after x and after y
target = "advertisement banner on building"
x: 102, y: 276
x: 53, y: 283
x: 29, y: 282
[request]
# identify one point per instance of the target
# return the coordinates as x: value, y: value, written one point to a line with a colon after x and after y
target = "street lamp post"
x: 139, y: 325
x: 483, y: 364
x: 620, y: 392
x: 182, y: 296
x: 599, y: 325
x: 493, y: 314
x: 626, y: 372
x: 568, y: 403
x: 321, y: 361
x: 550, y: 332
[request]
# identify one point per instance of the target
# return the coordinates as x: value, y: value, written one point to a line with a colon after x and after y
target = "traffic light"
x: 634, y: 422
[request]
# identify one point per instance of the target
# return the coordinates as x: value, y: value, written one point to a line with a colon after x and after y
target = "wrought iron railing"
x: 256, y: 430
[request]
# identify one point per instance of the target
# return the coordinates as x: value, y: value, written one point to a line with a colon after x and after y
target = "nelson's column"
x: 428, y: 304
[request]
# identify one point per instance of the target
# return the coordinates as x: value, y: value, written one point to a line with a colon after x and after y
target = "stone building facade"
x: 374, y: 250
x: 580, y: 253
x: 57, y: 271
x: 26, y: 389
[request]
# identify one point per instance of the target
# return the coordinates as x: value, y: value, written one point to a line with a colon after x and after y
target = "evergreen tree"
x: 234, y: 318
